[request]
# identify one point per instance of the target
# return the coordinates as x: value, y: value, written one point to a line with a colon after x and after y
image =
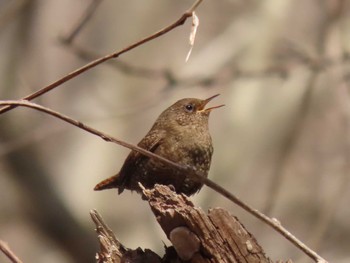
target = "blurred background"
x: 282, y: 142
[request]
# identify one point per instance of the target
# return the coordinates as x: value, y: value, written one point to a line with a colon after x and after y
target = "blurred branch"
x: 194, y: 175
x: 100, y: 60
x: 124, y: 67
x: 11, y: 10
x: 166, y: 74
x: 8, y: 252
x: 87, y: 15
x: 287, y: 146
x: 319, y: 63
x: 329, y: 207
x: 334, y: 13
x: 225, y: 75
x: 41, y: 132
x: 41, y: 204
x: 316, y: 65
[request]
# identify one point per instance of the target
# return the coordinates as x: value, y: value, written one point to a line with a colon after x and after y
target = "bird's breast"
x: 193, y: 151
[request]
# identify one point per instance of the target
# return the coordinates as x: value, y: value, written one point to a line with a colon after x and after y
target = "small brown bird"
x: 180, y: 134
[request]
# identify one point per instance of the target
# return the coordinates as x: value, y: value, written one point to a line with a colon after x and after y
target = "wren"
x: 180, y: 134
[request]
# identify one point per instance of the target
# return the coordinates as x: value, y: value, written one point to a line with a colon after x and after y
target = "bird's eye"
x: 189, y: 107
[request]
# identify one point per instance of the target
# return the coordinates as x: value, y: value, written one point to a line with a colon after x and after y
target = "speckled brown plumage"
x: 180, y: 134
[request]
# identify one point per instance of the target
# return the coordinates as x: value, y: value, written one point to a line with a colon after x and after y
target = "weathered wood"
x: 196, y: 236
x: 112, y: 251
x: 222, y: 237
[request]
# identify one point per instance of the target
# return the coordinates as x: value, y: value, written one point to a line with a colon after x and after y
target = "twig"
x: 194, y: 175
x: 91, y: 130
x: 194, y: 7
x: 82, y: 21
x: 100, y: 60
x: 8, y: 252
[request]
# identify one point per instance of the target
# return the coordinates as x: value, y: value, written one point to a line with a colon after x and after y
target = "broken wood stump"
x: 196, y: 236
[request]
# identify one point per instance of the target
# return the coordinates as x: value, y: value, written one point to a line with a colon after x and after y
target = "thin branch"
x: 100, y: 60
x: 194, y: 175
x: 91, y: 130
x: 8, y: 252
x: 82, y: 21
x: 194, y: 7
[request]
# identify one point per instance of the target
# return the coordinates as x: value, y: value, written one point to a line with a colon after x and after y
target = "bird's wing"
x: 121, y: 180
x: 150, y: 143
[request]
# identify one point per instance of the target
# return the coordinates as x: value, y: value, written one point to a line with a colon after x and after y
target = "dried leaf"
x: 195, y: 24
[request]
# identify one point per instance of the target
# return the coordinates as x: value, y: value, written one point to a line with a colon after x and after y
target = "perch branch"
x: 100, y: 60
x: 194, y: 175
x: 8, y: 252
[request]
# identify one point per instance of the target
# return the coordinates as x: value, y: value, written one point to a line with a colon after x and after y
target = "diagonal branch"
x: 194, y: 175
x: 8, y: 252
x: 100, y: 60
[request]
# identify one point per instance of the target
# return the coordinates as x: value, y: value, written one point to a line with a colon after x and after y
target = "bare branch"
x: 8, y: 252
x: 100, y: 60
x: 194, y: 175
x: 194, y: 7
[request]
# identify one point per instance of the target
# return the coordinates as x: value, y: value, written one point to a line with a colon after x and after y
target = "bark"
x: 196, y: 236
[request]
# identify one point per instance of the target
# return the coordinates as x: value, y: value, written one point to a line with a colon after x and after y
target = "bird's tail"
x: 111, y: 182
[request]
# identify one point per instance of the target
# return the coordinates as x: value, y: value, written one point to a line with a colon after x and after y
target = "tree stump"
x: 196, y: 236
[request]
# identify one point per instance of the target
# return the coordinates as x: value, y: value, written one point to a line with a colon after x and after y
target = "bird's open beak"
x: 206, y: 101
